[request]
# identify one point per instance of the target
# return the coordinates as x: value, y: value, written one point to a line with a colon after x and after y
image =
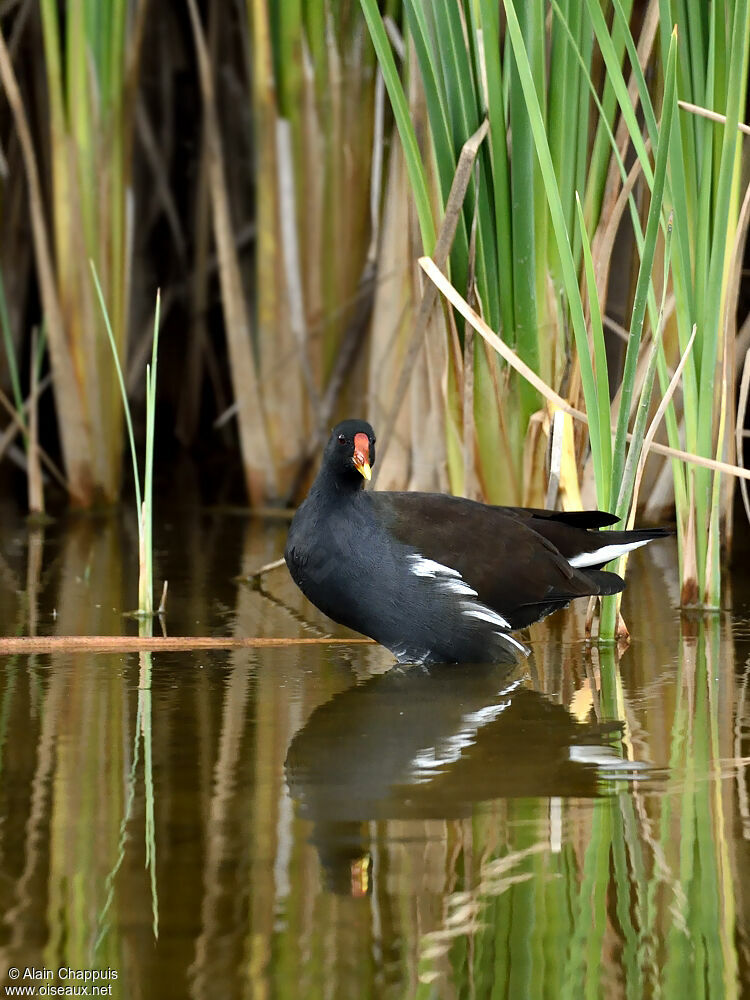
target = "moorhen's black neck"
x: 337, y: 482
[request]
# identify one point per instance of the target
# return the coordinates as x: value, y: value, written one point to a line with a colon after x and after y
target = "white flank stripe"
x: 605, y: 554
x: 428, y: 567
x: 451, y: 581
x: 514, y: 642
x: 485, y: 614
x: 459, y: 587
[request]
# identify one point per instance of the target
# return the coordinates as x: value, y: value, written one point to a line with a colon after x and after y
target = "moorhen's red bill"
x: 435, y: 578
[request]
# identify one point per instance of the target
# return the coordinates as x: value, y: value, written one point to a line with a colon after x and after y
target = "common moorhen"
x: 435, y: 578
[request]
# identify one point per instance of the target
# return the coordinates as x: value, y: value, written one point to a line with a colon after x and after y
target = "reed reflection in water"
x: 321, y: 823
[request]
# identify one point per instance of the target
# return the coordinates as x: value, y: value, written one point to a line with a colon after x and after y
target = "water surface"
x: 315, y: 822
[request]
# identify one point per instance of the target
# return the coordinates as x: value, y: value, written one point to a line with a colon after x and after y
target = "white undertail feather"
x: 605, y: 554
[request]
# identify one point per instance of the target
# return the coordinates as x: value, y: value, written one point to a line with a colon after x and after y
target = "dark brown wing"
x: 513, y: 567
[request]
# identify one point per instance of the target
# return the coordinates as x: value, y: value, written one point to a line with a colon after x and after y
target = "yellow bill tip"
x: 364, y: 469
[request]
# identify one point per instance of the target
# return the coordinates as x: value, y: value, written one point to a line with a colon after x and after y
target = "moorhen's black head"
x: 350, y: 453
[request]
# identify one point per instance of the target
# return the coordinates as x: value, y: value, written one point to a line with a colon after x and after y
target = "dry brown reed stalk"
x: 91, y: 91
x: 713, y: 116
x: 27, y: 645
x: 429, y: 296
x: 73, y: 428
x: 739, y: 427
x: 312, y: 80
x: 290, y: 252
x: 18, y: 426
x: 468, y: 432
x: 261, y: 571
x: 729, y: 365
x: 279, y: 371
x: 90, y: 96
x: 359, y: 309
x: 391, y: 319
x: 260, y: 474
x: 34, y: 475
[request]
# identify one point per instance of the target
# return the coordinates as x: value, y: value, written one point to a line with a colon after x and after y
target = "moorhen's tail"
x: 576, y: 536
x: 586, y: 550
x: 604, y: 584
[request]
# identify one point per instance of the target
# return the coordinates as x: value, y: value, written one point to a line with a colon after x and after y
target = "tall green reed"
x: 547, y: 211
x: 144, y: 497
x: 701, y: 190
x: 530, y: 234
x: 705, y: 173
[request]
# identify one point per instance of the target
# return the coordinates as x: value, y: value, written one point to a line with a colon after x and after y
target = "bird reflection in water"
x: 424, y: 742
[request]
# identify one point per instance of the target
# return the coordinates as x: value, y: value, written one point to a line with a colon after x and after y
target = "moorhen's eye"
x: 342, y: 438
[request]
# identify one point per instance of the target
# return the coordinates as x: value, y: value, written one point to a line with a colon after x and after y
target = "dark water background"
x: 313, y: 822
